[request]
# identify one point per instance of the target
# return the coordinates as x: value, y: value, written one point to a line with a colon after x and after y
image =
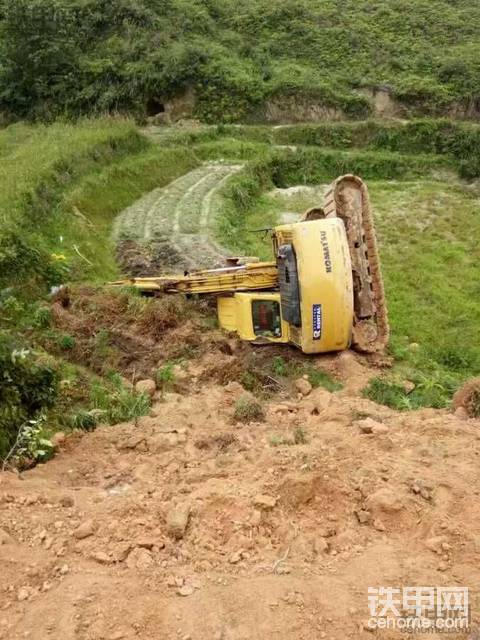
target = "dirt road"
x: 176, y: 221
x: 187, y: 525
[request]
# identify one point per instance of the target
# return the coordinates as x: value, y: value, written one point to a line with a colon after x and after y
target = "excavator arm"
x: 256, y: 276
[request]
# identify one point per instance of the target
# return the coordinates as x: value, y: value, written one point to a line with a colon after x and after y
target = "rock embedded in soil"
x: 280, y: 408
x: 137, y: 440
x: 235, y: 557
x: 262, y: 501
x: 378, y: 525
x: 298, y: 490
x: 370, y: 426
x: 177, y: 520
x: 384, y: 501
x: 303, y: 386
x: 23, y: 594
x: 85, y: 530
x: 363, y: 516
x: 147, y: 386
x: 436, y: 543
x: 101, y: 557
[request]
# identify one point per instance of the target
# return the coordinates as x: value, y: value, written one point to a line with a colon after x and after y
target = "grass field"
x: 60, y: 188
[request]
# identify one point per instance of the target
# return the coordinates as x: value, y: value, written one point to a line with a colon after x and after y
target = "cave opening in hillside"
x: 154, y: 106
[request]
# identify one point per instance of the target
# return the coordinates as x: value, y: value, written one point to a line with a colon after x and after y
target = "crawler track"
x: 348, y: 199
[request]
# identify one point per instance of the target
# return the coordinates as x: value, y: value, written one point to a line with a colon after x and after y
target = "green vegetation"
x: 75, y: 57
x: 165, y: 376
x: 297, y: 367
x: 28, y: 388
x: 38, y: 166
x: 60, y: 188
x: 113, y: 402
x: 248, y: 409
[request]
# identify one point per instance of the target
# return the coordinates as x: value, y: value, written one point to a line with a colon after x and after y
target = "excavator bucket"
x: 347, y: 198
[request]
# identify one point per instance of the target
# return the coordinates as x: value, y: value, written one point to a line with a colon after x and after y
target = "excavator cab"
x: 256, y: 317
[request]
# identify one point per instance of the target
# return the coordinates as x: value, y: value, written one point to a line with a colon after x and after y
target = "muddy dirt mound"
x: 189, y: 525
x: 146, y: 259
x: 117, y: 330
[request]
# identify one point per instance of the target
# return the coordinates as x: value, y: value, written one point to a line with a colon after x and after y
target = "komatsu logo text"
x: 326, y: 251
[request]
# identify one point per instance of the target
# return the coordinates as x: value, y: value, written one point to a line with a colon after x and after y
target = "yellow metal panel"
x: 326, y: 286
x: 227, y: 313
x: 235, y: 314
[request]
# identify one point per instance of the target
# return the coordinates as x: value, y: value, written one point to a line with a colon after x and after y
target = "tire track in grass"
x: 177, y: 219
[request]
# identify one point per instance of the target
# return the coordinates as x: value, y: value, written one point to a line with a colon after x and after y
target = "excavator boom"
x: 256, y: 276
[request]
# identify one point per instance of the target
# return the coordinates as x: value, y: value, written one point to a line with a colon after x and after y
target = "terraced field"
x: 175, y: 221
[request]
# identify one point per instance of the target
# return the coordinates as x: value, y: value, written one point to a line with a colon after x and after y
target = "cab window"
x: 266, y: 318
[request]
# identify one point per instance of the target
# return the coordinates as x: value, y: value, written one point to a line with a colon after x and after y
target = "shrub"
x: 434, y: 389
x: 31, y: 444
x: 387, y: 393
x: 164, y: 377
x: 66, y: 342
x: 279, y: 367
x: 85, y: 420
x: 42, y: 317
x: 28, y: 386
x: 248, y: 409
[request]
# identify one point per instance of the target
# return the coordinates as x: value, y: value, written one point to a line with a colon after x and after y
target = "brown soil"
x: 115, y: 330
x: 186, y: 525
x: 132, y: 334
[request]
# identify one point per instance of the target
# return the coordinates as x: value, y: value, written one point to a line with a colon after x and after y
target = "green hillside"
x: 76, y: 57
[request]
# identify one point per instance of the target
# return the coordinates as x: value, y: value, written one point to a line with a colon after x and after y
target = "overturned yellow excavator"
x: 322, y: 292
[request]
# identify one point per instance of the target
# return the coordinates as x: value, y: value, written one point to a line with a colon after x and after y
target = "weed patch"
x: 115, y: 403
x: 248, y: 409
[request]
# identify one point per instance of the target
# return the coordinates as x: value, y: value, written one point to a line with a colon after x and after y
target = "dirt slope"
x: 280, y: 542
x: 176, y: 221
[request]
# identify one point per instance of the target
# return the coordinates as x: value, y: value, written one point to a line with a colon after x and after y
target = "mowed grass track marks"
x: 179, y: 216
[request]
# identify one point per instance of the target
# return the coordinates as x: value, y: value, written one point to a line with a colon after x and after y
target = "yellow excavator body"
x: 313, y: 308
x: 323, y: 291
